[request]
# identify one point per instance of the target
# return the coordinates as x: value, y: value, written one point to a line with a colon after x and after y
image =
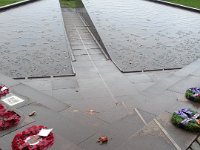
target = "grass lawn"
x: 71, y: 3
x: 191, y: 3
x: 6, y: 2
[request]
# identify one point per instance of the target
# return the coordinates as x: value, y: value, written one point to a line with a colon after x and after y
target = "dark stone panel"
x: 142, y: 35
x: 33, y: 42
x: 35, y: 96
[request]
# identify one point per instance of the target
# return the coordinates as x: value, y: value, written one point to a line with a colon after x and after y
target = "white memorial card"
x: 45, y: 132
x: 12, y: 100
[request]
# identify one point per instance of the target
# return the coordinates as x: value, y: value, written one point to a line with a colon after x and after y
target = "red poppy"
x: 8, y: 119
x: 3, y: 91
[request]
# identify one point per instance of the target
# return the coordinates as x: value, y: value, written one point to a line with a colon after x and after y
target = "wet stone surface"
x: 33, y: 41
x: 141, y: 35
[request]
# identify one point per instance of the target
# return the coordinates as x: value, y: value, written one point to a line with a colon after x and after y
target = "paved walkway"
x: 116, y: 103
x: 133, y: 110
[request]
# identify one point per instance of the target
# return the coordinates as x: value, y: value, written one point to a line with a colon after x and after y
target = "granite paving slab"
x: 68, y: 96
x: 196, y: 73
x: 181, y: 137
x: 189, y: 69
x: 33, y: 46
x: 114, y: 113
x: 167, y: 101
x: 118, y: 132
x: 148, y: 117
x: 84, y: 116
x: 94, y: 92
x: 65, y: 83
x: 39, y: 84
x: 138, y: 78
x: 142, y: 35
x: 185, y: 83
x: 36, y: 96
x: 195, y: 146
x: 173, y: 80
x: 162, y: 85
x: 143, y: 86
x: 150, y: 137
x: 73, y: 129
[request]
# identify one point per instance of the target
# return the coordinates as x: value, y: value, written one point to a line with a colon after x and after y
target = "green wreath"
x: 193, y: 94
x: 186, y: 119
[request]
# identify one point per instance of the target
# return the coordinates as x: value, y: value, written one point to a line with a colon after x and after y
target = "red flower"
x: 3, y: 91
x: 8, y: 119
x: 2, y: 109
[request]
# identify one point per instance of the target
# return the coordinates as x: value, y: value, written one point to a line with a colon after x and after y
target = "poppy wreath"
x: 8, y: 119
x: 19, y: 141
x: 3, y: 90
x: 186, y: 119
x: 193, y: 94
x: 2, y: 109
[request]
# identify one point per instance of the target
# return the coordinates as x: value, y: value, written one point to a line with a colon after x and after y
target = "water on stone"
x: 33, y: 41
x: 143, y: 35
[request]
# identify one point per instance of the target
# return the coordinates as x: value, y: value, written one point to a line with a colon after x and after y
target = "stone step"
x: 149, y: 137
x: 160, y: 134
x: 118, y: 133
x: 163, y: 84
x: 181, y: 137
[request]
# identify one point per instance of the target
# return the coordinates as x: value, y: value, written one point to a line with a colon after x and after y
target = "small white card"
x: 45, y: 132
x: 12, y: 100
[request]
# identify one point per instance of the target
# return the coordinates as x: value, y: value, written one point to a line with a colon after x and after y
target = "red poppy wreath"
x: 2, y: 109
x: 30, y: 139
x: 3, y: 90
x: 8, y: 119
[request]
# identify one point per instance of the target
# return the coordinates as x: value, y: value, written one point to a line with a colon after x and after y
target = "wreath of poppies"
x: 3, y: 91
x: 186, y: 119
x: 2, y: 109
x: 42, y: 143
x: 8, y: 119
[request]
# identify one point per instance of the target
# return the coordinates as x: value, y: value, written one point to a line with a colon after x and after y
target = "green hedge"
x: 190, y: 3
x: 71, y: 3
x: 6, y: 2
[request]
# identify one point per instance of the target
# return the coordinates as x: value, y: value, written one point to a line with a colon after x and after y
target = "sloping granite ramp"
x: 33, y: 41
x: 142, y: 35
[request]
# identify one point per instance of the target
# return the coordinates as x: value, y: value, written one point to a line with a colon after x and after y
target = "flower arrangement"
x: 30, y: 140
x: 3, y: 90
x: 2, y: 109
x: 193, y: 94
x: 186, y: 119
x: 8, y: 119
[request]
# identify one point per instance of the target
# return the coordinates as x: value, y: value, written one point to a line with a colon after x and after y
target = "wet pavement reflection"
x: 142, y: 35
x: 33, y: 41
